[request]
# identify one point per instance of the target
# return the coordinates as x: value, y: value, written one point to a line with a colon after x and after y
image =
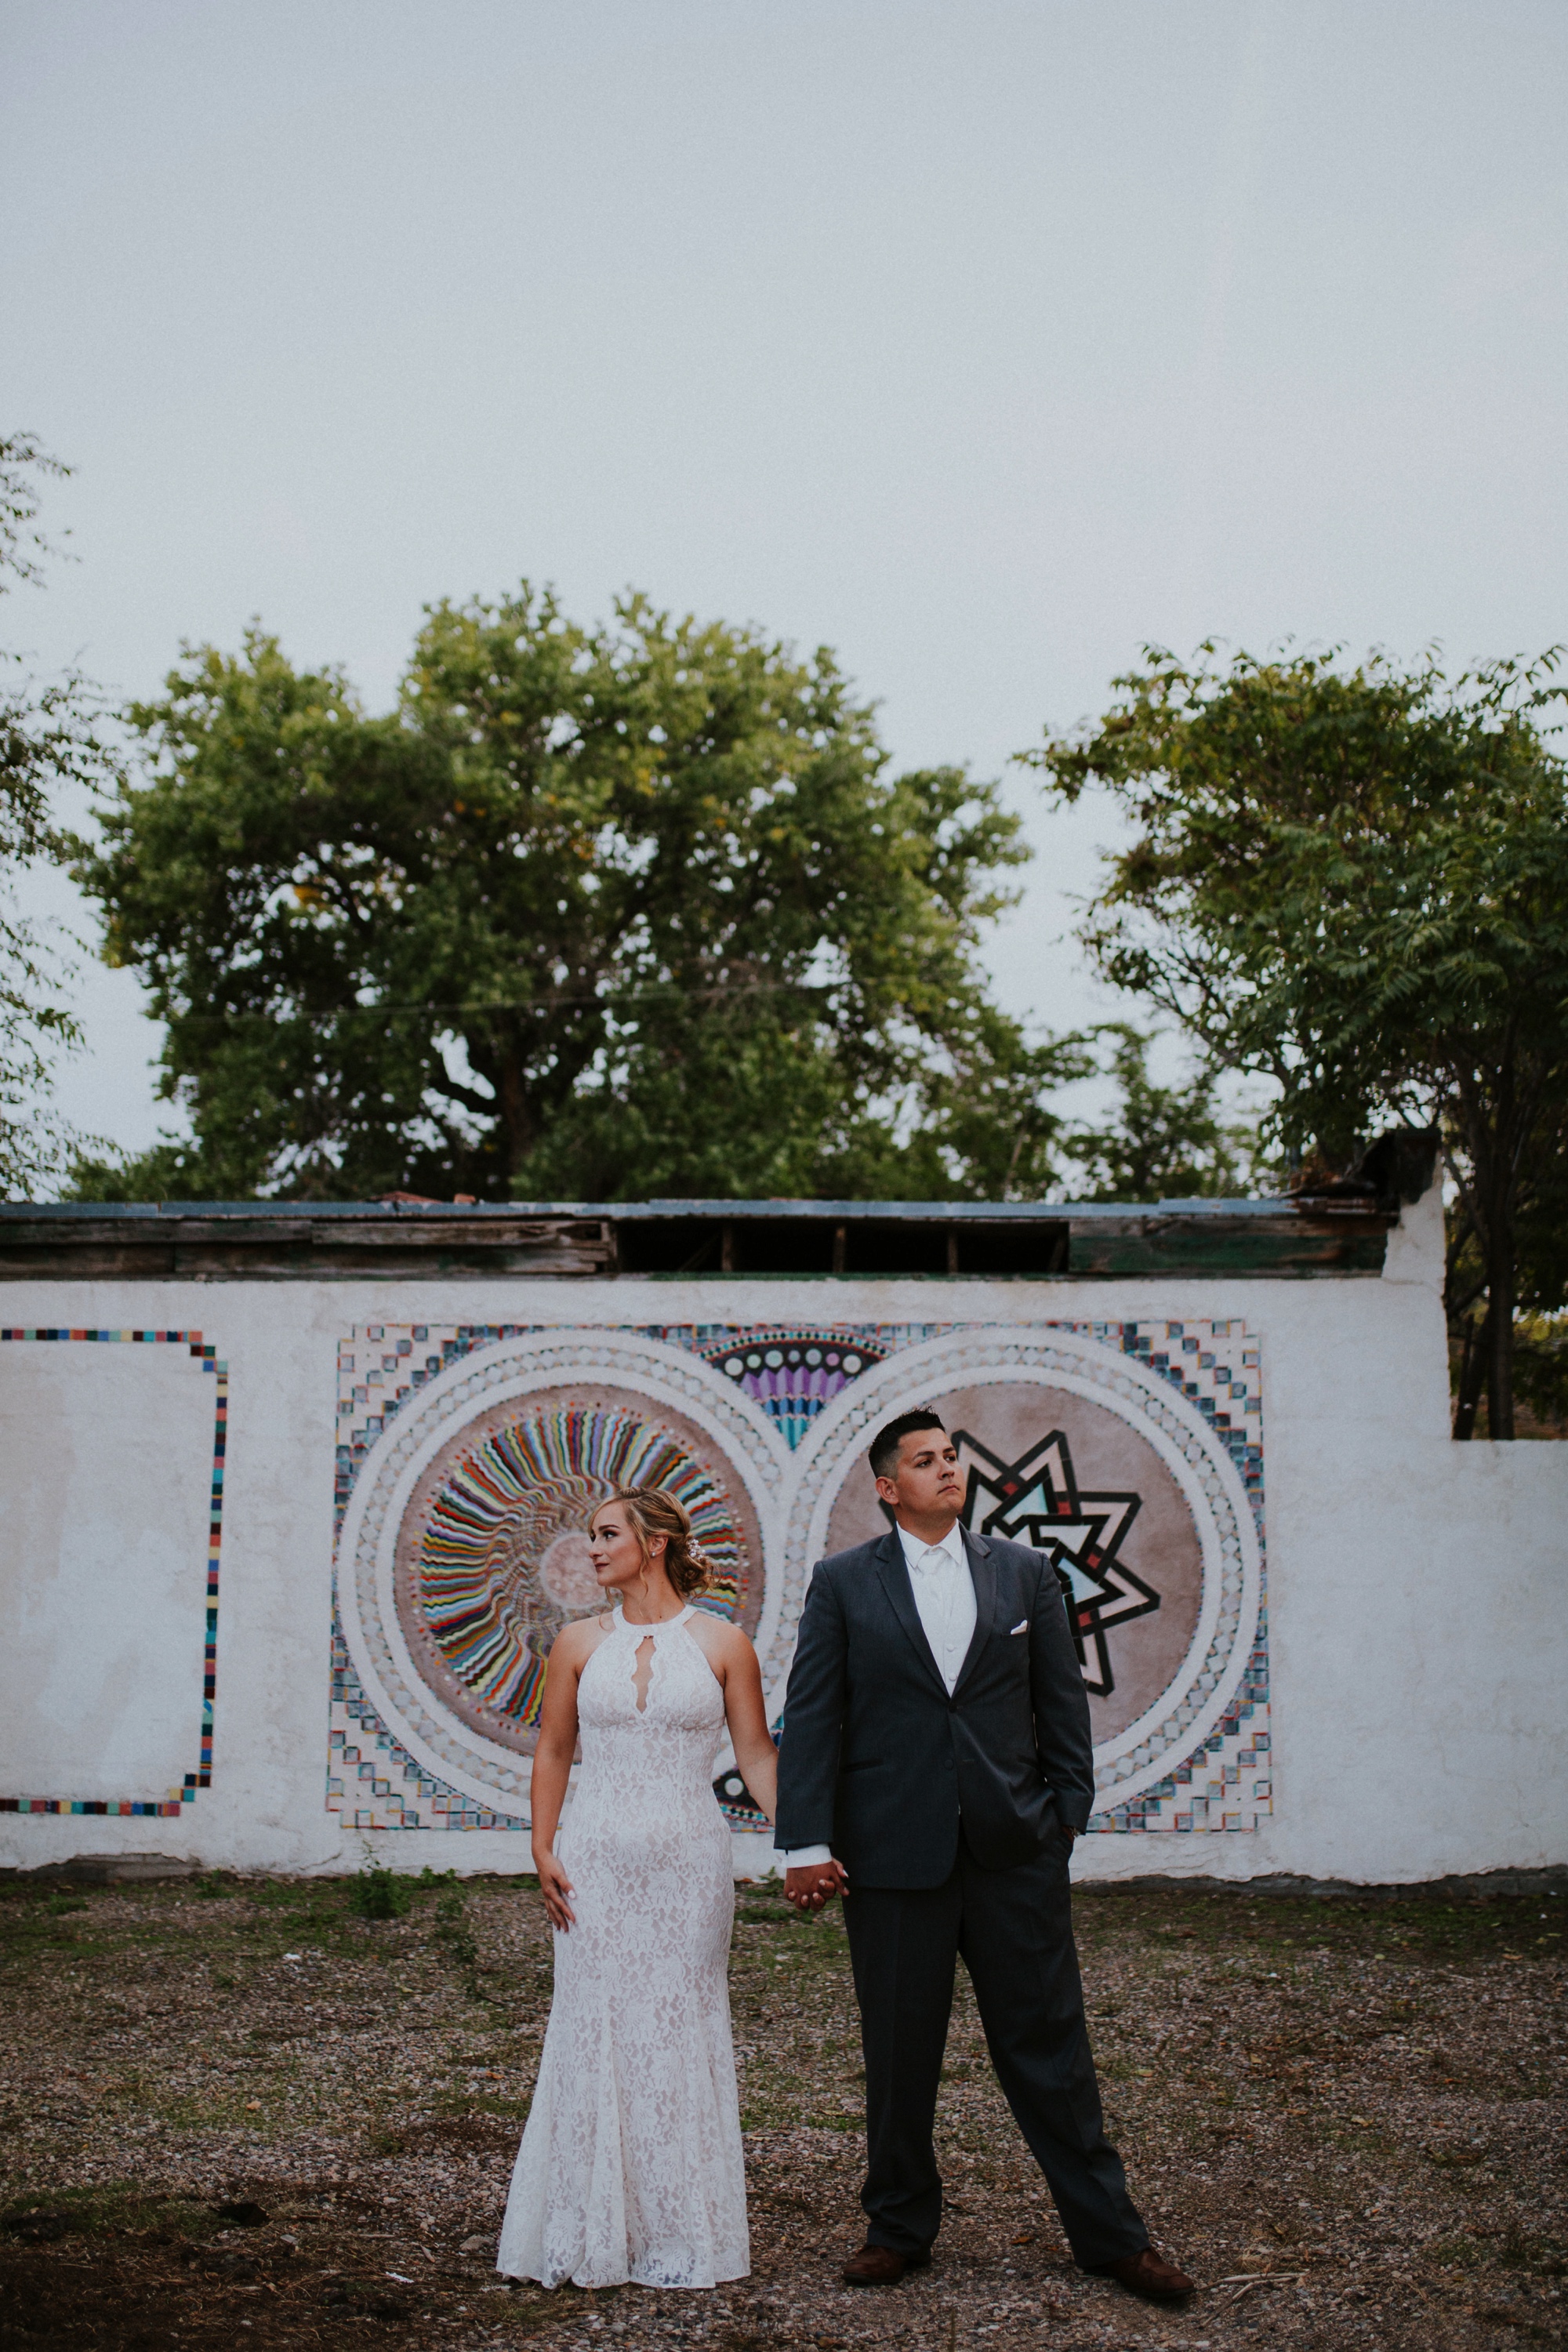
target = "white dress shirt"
x: 944, y: 1596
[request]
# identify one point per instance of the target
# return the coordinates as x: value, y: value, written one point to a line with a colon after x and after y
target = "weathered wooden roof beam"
x: 425, y: 1241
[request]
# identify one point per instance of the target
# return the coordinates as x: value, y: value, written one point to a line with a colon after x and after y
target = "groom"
x: 935, y: 1769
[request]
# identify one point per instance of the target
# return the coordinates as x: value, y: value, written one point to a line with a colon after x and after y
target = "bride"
x: 630, y: 2165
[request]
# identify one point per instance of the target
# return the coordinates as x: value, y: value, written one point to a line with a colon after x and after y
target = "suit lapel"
x: 982, y: 1570
x: 893, y: 1569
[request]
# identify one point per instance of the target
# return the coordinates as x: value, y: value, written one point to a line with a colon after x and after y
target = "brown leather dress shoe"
x: 1150, y: 2275
x: 881, y: 2265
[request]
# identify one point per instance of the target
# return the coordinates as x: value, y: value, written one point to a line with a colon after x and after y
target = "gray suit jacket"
x: 878, y: 1762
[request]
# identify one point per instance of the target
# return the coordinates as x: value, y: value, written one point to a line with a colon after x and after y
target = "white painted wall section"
x: 1417, y: 1591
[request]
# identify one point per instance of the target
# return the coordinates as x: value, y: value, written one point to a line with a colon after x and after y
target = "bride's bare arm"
x: 570, y: 1652
x: 756, y: 1758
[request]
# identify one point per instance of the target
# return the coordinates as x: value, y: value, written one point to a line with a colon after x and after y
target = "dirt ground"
x: 234, y: 2114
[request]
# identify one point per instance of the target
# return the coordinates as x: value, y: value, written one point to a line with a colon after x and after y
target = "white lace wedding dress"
x: 630, y: 2165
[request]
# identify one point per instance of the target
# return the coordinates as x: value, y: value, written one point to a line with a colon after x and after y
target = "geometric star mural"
x: 1037, y: 1501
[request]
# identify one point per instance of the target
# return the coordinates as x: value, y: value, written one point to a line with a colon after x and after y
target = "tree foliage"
x: 48, y: 738
x: 1354, y: 880
x: 1161, y: 1142
x: 594, y: 912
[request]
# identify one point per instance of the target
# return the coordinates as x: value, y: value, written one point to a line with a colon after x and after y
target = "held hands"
x: 809, y: 1889
x: 555, y: 1886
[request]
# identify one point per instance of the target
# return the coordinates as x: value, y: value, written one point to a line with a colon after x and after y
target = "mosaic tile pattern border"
x: 1223, y: 1784
x: 1226, y: 1783
x: 175, y: 1801
x: 372, y: 1780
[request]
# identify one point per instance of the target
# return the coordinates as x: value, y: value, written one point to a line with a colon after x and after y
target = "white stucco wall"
x: 1418, y: 1589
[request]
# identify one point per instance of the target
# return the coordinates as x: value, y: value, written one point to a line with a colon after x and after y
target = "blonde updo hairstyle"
x: 652, y: 1512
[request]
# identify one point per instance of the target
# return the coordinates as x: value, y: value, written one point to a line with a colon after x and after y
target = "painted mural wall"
x: 282, y: 1567
x: 470, y: 1458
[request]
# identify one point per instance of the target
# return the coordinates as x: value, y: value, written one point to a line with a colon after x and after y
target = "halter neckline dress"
x: 631, y: 2166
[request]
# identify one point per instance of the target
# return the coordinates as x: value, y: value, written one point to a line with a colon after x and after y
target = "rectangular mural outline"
x: 792, y: 1371
x: 173, y: 1804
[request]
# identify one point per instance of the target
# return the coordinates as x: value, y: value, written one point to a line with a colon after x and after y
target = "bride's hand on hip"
x: 555, y: 1886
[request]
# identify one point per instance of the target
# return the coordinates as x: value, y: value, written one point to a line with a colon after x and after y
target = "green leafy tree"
x: 1355, y: 881
x: 1161, y: 1143
x: 48, y: 738
x: 602, y: 913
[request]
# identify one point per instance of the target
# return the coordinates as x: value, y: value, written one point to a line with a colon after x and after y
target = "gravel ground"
x: 236, y: 2114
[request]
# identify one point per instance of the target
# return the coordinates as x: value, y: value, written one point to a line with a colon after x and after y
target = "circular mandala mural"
x: 463, y: 1550
x: 493, y: 1551
x: 1070, y: 1478
x: 1089, y: 1457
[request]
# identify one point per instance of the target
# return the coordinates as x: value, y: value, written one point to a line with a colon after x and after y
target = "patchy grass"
x: 241, y: 2112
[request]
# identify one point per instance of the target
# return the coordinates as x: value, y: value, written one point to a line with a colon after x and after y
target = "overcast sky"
x: 984, y: 343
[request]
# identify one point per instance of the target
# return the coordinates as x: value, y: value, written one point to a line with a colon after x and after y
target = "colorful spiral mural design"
x: 495, y: 1556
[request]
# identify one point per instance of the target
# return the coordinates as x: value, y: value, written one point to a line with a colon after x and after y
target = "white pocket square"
x: 1021, y: 1627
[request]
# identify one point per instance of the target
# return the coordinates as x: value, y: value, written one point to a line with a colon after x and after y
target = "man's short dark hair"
x: 886, y: 1443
